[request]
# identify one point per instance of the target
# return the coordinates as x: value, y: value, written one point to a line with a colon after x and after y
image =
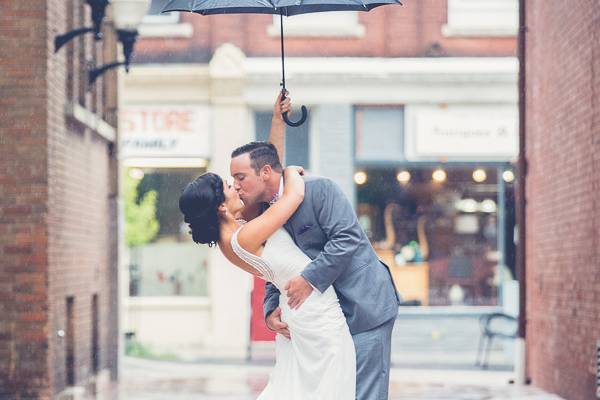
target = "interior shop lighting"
x: 479, y: 175
x: 360, y: 177
x: 488, y: 206
x: 136, y: 173
x: 467, y: 205
x: 508, y: 176
x: 439, y: 175
x: 403, y: 177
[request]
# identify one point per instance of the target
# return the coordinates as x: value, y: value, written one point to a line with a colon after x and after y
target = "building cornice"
x: 354, y: 80
x: 434, y: 70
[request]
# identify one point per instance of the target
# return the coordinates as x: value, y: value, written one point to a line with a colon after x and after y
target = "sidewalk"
x: 158, y: 380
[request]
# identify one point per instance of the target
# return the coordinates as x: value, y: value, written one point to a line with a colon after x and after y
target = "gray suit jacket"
x: 325, y: 227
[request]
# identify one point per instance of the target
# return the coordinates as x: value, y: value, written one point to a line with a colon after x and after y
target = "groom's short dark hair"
x: 261, y: 154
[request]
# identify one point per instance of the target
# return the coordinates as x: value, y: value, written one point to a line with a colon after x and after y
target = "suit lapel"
x: 290, y: 229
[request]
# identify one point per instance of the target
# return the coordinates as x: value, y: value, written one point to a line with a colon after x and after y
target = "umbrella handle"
x: 300, y: 121
x: 285, y: 114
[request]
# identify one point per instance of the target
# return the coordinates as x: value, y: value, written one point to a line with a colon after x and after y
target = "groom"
x: 325, y: 227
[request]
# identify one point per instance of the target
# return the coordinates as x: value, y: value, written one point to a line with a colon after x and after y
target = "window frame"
x: 329, y: 24
x: 459, y: 11
x: 358, y: 131
x: 165, y: 25
x: 169, y: 18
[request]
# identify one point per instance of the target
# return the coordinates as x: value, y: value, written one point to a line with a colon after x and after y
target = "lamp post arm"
x: 98, y: 9
x: 96, y: 72
x: 61, y: 40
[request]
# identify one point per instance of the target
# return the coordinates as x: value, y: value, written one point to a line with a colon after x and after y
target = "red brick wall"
x: 23, y: 201
x: 563, y: 194
x: 411, y: 30
x: 56, y: 194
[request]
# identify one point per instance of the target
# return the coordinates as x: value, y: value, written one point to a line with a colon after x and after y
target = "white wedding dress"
x: 319, y: 361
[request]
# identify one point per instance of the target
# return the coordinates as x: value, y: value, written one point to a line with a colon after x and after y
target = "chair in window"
x: 461, y: 272
x: 494, y: 325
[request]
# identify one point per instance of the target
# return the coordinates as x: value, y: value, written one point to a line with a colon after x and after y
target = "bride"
x: 317, y: 361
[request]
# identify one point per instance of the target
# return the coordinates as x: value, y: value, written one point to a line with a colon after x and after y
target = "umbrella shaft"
x: 282, y: 51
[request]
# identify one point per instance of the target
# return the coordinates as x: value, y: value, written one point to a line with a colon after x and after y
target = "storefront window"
x: 164, y: 261
x: 377, y: 125
x: 446, y: 233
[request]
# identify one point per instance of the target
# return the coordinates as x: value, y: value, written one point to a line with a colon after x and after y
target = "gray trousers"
x: 373, y: 352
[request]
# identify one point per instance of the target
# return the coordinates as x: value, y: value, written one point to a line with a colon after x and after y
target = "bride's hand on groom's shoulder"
x: 294, y: 184
x: 296, y: 168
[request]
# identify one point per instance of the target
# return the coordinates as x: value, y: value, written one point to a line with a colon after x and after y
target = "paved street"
x: 439, y: 339
x: 158, y: 380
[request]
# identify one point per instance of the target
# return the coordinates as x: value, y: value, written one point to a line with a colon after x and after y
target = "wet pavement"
x: 158, y: 380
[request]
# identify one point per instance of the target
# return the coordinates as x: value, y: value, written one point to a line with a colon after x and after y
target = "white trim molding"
x: 166, y: 30
x: 349, y: 80
x: 91, y: 121
x: 165, y: 162
x: 167, y: 302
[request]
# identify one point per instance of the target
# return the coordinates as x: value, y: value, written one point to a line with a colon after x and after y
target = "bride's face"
x: 232, y: 199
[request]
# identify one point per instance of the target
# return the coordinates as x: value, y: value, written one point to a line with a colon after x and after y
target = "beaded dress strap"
x: 255, y: 261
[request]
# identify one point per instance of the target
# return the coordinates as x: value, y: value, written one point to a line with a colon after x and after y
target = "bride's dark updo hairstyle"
x: 199, y: 203
x: 202, y: 197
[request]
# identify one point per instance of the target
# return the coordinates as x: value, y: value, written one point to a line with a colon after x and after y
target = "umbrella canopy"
x: 280, y: 7
x: 284, y: 7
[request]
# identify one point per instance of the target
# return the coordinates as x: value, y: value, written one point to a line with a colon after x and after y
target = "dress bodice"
x: 280, y: 260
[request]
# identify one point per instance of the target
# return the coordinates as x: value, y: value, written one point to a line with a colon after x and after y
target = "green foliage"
x: 141, y: 224
x: 134, y: 348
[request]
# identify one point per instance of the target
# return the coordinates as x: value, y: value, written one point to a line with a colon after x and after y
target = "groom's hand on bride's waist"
x: 275, y: 324
x: 297, y: 289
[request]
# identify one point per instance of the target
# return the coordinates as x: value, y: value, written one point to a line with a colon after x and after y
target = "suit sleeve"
x: 271, y: 300
x: 337, y: 219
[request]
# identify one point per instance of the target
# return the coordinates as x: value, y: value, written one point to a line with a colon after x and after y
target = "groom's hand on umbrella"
x: 298, y: 289
x: 275, y: 323
x: 282, y: 107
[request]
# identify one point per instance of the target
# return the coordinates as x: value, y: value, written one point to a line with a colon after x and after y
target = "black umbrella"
x: 281, y: 7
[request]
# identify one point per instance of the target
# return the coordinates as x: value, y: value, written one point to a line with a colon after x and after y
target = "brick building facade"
x: 58, y: 213
x: 417, y: 29
x: 563, y: 193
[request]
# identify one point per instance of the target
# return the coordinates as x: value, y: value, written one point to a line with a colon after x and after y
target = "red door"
x: 258, y: 330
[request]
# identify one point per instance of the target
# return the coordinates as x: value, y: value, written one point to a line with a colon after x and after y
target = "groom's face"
x: 249, y: 185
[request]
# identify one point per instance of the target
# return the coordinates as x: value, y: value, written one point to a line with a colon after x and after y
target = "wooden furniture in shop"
x: 411, y: 280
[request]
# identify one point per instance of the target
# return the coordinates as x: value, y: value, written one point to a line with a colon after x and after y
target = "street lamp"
x: 128, y: 15
x: 98, y: 7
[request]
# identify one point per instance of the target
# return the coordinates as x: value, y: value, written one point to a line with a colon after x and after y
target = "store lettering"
x: 157, y: 121
x: 469, y: 133
x: 153, y: 144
